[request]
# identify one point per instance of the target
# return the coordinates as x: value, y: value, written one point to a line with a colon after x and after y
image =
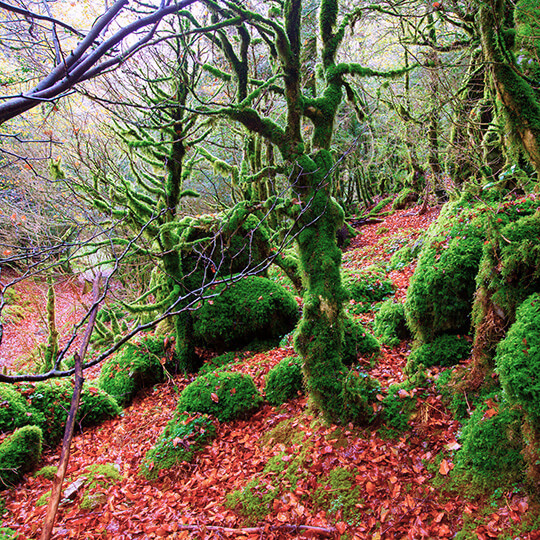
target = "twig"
x: 70, y: 422
x: 250, y: 530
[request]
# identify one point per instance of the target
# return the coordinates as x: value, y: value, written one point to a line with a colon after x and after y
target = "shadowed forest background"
x: 270, y: 269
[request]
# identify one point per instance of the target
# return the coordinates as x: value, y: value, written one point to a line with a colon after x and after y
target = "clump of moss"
x: 285, y: 381
x: 253, y: 307
x: 222, y: 362
x: 98, y: 478
x: 357, y: 342
x: 8, y: 534
x: 359, y: 395
x: 405, y: 198
x: 53, y: 399
x: 367, y: 286
x: 399, y: 405
x: 15, y: 411
x: 336, y: 493
x: 491, y: 444
x: 183, y: 436
x: 225, y: 395
x: 20, y: 452
x: 446, y: 350
x: 48, y: 472
x: 389, y: 324
x: 133, y: 368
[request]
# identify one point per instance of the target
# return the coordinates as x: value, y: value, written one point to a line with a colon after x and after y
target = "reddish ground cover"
x: 400, y: 481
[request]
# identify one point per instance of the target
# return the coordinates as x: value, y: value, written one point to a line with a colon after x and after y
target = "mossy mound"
x: 357, y: 342
x: 184, y: 435
x: 440, y: 295
x: 19, y: 453
x: 131, y: 369
x: 491, y: 444
x: 445, y: 351
x: 389, y: 324
x: 367, y: 286
x: 225, y: 395
x: 53, y: 398
x: 405, y: 198
x: 8, y: 534
x: 15, y: 411
x: 399, y: 405
x: 359, y: 395
x: 250, y: 308
x: 221, y: 362
x: 285, y: 381
x: 518, y: 359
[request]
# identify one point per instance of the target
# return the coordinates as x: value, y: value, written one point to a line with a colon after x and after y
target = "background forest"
x: 196, y: 170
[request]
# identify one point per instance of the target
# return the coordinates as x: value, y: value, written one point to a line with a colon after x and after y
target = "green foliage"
x: 284, y: 381
x: 518, y: 359
x: 359, y: 394
x: 8, y: 534
x: 357, y: 342
x: 15, y: 411
x: 446, y: 350
x: 48, y: 472
x: 389, y: 324
x: 183, y: 436
x: 399, y: 405
x: 20, y: 452
x: 367, y: 286
x: 225, y: 395
x: 337, y: 494
x: 131, y: 369
x: 252, y: 307
x: 491, y: 444
x: 53, y: 398
x: 439, y: 298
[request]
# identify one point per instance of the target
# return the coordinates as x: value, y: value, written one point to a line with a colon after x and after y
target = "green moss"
x: 48, y: 472
x: 183, y: 436
x: 406, y: 197
x: 131, y: 369
x: 253, y: 307
x: 518, y: 359
x: 53, y: 399
x: 15, y: 411
x: 20, y: 452
x: 357, y: 342
x: 491, y: 444
x: 44, y: 499
x: 337, y: 494
x: 221, y: 362
x: 367, y: 286
x: 285, y: 381
x: 98, y: 479
x: 8, y: 534
x: 225, y: 395
x: 389, y: 324
x: 446, y: 350
x: 359, y: 395
x: 399, y: 405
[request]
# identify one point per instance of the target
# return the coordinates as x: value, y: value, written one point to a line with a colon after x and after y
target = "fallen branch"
x: 328, y: 531
x: 52, y: 508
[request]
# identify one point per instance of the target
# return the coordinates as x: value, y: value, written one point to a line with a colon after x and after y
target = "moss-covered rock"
x: 446, y: 350
x: 285, y: 381
x: 53, y: 399
x: 225, y: 395
x: 15, y: 410
x: 367, y: 286
x: 252, y: 307
x: 19, y: 453
x: 182, y: 438
x: 357, y: 342
x: 131, y: 369
x: 491, y: 444
x: 359, y: 395
x: 405, y: 198
x: 389, y: 325
x: 518, y: 359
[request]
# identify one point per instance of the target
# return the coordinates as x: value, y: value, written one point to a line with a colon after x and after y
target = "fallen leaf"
x: 214, y: 397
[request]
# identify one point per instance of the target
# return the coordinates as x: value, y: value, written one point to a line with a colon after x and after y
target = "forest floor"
x: 327, y: 481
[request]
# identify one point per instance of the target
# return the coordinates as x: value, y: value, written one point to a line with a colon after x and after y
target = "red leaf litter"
x: 394, y: 476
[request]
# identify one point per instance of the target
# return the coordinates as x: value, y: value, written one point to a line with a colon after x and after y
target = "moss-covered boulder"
x: 389, y: 325
x: 367, y: 286
x: 446, y: 350
x: 225, y: 395
x: 183, y: 436
x: 19, y: 453
x: 285, y: 381
x: 251, y: 308
x: 15, y: 411
x: 359, y: 395
x: 357, y: 342
x: 131, y: 369
x: 53, y: 399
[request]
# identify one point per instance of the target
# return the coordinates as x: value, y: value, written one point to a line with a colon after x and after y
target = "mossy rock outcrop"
x: 285, y: 381
x: 251, y: 308
x: 20, y: 452
x: 357, y: 342
x: 389, y: 325
x: 15, y: 411
x: 446, y: 350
